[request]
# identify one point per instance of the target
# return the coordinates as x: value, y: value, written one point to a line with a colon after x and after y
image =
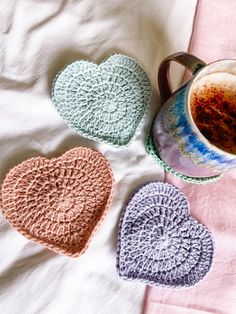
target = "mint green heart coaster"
x: 103, y: 102
x: 150, y: 147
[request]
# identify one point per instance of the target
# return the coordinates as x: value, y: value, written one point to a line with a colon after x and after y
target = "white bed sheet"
x: 37, y: 38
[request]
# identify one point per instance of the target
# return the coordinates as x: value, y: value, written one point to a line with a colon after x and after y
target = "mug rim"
x: 189, y: 114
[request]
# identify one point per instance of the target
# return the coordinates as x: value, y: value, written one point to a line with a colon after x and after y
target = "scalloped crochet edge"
x: 51, y: 246
x: 150, y: 148
x: 144, y: 281
x: 96, y: 138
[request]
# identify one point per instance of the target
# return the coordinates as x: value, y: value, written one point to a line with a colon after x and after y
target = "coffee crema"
x: 213, y: 109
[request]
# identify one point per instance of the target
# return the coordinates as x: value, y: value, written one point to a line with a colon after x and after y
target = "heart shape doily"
x: 103, y: 102
x: 159, y: 243
x: 60, y: 202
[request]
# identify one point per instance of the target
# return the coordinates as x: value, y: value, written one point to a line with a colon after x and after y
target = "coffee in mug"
x: 194, y: 132
x: 213, y: 109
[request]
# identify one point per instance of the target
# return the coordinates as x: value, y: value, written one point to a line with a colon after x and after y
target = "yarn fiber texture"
x: 159, y: 243
x: 59, y: 203
x: 189, y: 179
x: 105, y: 102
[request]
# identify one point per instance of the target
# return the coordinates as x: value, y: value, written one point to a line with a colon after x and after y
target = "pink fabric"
x: 215, y: 204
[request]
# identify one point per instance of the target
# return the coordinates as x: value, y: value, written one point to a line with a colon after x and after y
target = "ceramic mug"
x: 176, y: 137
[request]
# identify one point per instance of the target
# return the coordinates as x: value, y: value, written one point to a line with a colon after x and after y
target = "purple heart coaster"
x: 159, y: 243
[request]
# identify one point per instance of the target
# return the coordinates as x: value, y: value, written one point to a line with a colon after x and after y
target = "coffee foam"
x: 224, y: 80
x: 213, y: 109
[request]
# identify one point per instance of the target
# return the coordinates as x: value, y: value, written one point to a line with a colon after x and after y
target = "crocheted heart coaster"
x: 194, y: 180
x: 59, y: 203
x: 103, y: 102
x: 159, y: 243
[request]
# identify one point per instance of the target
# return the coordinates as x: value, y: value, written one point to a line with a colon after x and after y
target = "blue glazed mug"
x: 176, y: 137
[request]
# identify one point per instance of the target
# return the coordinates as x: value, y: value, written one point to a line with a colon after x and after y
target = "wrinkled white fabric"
x: 37, y: 38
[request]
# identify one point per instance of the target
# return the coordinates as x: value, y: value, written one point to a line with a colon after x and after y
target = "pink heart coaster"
x: 59, y: 203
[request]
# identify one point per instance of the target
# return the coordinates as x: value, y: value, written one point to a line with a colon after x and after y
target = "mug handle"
x: 189, y: 61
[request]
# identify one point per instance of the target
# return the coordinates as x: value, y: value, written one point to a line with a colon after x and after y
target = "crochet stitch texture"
x: 150, y: 148
x: 103, y: 102
x: 159, y: 243
x: 60, y: 202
